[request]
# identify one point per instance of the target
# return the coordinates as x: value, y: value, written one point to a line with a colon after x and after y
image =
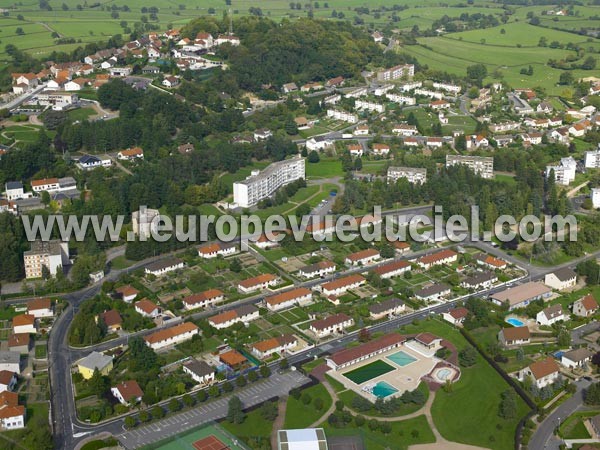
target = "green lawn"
x: 574, y: 428
x: 299, y: 415
x: 81, y: 114
x: 325, y: 168
x: 253, y: 426
x: 41, y: 351
x: 120, y: 262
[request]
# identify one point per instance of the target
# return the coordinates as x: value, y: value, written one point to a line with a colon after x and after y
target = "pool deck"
x: 404, y: 378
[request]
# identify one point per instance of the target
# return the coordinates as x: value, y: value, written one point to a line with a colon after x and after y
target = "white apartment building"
x: 429, y: 93
x: 356, y: 93
x: 262, y: 184
x: 369, y: 106
x: 53, y: 184
x: 393, y: 73
x: 52, y: 254
x: 344, y: 116
x: 412, y: 174
x: 406, y: 87
x: 482, y: 165
x: 13, y: 190
x: 401, y: 99
x: 564, y: 173
x: 57, y: 99
x: 447, y: 87
x: 592, y: 159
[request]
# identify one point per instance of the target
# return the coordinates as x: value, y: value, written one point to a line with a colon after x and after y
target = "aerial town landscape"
x: 402, y: 118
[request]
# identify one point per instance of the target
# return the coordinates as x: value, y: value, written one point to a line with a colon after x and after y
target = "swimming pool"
x: 515, y: 322
x: 383, y: 389
x: 401, y: 358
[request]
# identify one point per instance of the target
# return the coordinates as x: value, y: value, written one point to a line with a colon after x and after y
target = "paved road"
x: 254, y: 394
x: 544, y: 436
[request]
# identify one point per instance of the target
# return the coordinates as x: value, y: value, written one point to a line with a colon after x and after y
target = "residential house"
x: 356, y: 150
x: 433, y: 292
x: 456, y: 316
x: 561, y: 279
x: 319, y: 269
x: 8, y: 380
x: 212, y: 250
x: 40, y: 307
x: 405, y: 130
x: 90, y: 162
x: 543, y: 372
x: 381, y: 149
x: 361, y: 130
x: 354, y: 355
x: 112, y: 319
x: 24, y: 323
x: 289, y: 87
x: 445, y: 256
x: 203, y: 299
x: 510, y: 337
x: 586, y: 306
x: 392, y: 269
x: 164, y: 266
x: 234, y: 359
x: 439, y: 104
x: 490, y: 262
x: 185, y: 149
x: 522, y: 295
x: 131, y: 154
x: 127, y: 392
x: 390, y: 307
x: 428, y: 340
x: 362, y: 257
x: 298, y: 296
x: 262, y: 134
x: 551, y: 315
x: 13, y: 190
x: 244, y: 314
x: 479, y: 280
x: 128, y: 293
x: 200, y: 371
x: 341, y: 285
x: 94, y: 361
x: 344, y: 116
x: 575, y: 359
x: 279, y: 344
x: 12, y: 415
x: 20, y: 342
x: 319, y: 143
x: 170, y: 82
x: 171, y: 336
x: 147, y: 309
x: 336, y: 323
x: 258, y: 283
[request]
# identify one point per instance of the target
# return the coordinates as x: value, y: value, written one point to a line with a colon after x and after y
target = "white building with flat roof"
x: 592, y: 159
x: 49, y: 254
x: 595, y: 195
x: 262, y: 184
x: 412, y: 174
x: 302, y: 439
x: 564, y: 173
x: 344, y: 116
x: 482, y: 165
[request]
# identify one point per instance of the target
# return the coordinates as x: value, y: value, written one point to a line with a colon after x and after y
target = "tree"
x: 592, y: 394
x: 235, y: 265
x: 252, y: 376
x: 98, y: 383
x: 284, y: 364
x: 318, y: 403
x: 269, y: 411
x: 235, y: 413
x: 265, y: 372
x: 174, y: 405
x: 477, y: 72
x: 566, y: 78
x: 589, y: 63
x: 306, y: 398
x: 508, y: 405
x: 364, y: 335
x: 19, y: 31
x: 201, y: 396
x: 467, y: 356
x: 227, y: 386
x: 241, y: 381
x: 158, y: 412
x: 188, y: 400
x: 313, y: 157
x: 130, y: 422
x: 358, y: 164
x: 291, y: 128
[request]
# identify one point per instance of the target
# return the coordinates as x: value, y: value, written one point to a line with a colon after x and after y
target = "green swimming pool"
x: 401, y: 358
x: 383, y: 389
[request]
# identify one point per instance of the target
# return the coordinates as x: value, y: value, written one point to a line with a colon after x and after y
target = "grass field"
x: 369, y: 371
x: 299, y: 415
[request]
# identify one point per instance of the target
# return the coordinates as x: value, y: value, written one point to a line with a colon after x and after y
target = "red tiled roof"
x: 350, y: 354
x: 287, y: 296
x: 459, y: 313
x: 330, y: 321
x: 516, y: 333
x: 255, y: 281
x: 232, y: 358
x: 146, y: 305
x: 112, y: 318
x: 341, y: 282
x: 589, y: 302
x: 438, y: 256
x: 363, y: 254
x: 202, y: 296
x: 165, y: 334
x: 127, y: 290
x: 391, y: 267
x: 39, y: 303
x: 543, y: 368
x: 270, y: 344
x: 23, y: 319
x: 129, y: 390
x: 426, y: 338
x: 6, y: 376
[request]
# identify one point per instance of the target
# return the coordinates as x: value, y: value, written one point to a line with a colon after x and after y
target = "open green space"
x: 301, y: 415
x: 369, y: 371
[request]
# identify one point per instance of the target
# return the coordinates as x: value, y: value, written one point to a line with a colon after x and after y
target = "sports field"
x: 208, y: 437
x: 368, y: 372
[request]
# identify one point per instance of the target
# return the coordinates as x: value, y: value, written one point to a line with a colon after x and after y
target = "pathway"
x: 576, y: 189
x: 326, y: 414
x: 279, y: 422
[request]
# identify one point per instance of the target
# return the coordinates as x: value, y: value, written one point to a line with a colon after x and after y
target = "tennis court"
x: 369, y: 371
x: 207, y: 437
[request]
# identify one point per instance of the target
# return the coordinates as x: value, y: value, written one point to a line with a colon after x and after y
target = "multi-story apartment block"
x: 482, y: 165
x: 51, y: 254
x: 592, y: 159
x: 344, y: 116
x: 447, y: 87
x: 261, y: 185
x: 369, y: 106
x: 394, y: 73
x: 564, y: 173
x: 412, y: 174
x: 401, y: 99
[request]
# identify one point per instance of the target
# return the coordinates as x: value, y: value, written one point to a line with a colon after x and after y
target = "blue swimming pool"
x: 383, y: 389
x: 515, y: 322
x: 401, y: 358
